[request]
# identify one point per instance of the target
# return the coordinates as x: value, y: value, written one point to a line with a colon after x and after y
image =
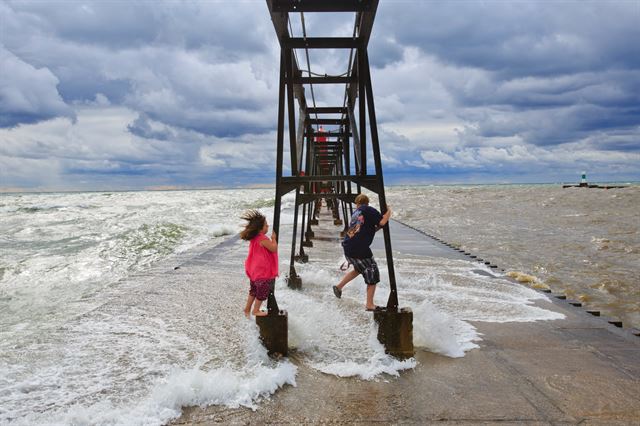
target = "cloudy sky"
x: 150, y: 94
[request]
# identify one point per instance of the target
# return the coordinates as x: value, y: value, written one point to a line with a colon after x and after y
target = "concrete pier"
x: 579, y: 370
x: 595, y: 186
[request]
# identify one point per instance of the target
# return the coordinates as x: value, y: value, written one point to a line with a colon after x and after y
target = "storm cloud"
x: 28, y: 94
x: 97, y: 94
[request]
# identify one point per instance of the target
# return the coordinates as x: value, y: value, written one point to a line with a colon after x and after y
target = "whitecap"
x: 184, y: 387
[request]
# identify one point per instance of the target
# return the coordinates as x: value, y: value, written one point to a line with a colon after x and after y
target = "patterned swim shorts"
x: 368, y: 268
x: 260, y: 288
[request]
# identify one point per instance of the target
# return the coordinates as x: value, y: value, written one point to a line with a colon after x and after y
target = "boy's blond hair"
x: 362, y: 199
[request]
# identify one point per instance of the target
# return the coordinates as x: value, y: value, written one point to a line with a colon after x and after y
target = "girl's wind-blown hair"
x: 255, y: 224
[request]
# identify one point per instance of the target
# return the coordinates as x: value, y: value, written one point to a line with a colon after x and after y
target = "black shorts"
x: 368, y: 268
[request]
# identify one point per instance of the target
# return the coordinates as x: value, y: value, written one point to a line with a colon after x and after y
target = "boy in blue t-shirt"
x: 365, y: 221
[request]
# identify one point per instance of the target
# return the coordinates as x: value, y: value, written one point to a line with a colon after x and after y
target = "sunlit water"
x: 97, y: 327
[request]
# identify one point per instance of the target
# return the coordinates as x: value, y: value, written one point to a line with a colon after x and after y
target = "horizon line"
x: 226, y: 188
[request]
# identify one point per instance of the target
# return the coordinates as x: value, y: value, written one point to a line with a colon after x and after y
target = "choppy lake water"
x: 584, y: 242
x: 88, y: 336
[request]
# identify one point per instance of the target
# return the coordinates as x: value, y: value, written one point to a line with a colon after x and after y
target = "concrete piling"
x: 274, y: 333
x: 294, y: 281
x: 395, y: 331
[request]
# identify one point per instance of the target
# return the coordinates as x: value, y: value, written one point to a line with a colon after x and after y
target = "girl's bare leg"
x: 256, y: 309
x: 247, y: 308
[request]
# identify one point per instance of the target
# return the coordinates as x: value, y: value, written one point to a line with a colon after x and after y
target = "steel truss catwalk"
x: 321, y: 161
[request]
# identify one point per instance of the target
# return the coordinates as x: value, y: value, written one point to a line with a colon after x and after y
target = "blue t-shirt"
x: 362, y: 229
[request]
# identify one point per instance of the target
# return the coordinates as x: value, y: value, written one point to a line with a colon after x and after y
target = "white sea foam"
x: 224, y: 229
x: 80, y: 350
x: 443, y: 300
x: 333, y: 338
x: 58, y: 246
x: 259, y: 378
x: 61, y: 253
x: 457, y: 289
x: 378, y: 362
x: 441, y: 333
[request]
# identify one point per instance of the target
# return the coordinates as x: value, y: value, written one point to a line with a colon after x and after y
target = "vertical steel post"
x: 292, y: 113
x: 392, y: 304
x: 347, y: 157
x: 305, y: 187
x: 293, y: 279
x: 362, y: 112
x: 292, y: 271
x: 272, y: 304
x: 345, y: 153
x: 303, y: 229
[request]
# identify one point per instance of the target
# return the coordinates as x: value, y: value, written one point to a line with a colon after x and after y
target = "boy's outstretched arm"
x: 272, y: 244
x: 385, y: 217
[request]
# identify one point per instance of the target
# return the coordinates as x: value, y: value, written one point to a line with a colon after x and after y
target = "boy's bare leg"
x: 256, y: 309
x: 349, y: 276
x: 371, y: 291
x: 247, y: 308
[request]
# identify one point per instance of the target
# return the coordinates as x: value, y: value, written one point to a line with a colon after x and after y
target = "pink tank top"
x: 261, y: 264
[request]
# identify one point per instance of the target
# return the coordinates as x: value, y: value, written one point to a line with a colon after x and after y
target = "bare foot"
x: 260, y: 314
x: 246, y: 312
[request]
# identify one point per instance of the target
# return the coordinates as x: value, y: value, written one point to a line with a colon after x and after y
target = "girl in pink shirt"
x: 261, y: 265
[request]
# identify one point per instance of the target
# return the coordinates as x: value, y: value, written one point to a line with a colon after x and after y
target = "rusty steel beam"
x: 322, y: 43
x: 329, y: 79
x: 320, y: 5
x: 279, y: 11
x: 366, y: 23
x: 298, y: 180
x: 330, y: 144
x: 327, y: 121
x: 326, y: 110
x: 331, y: 135
x: 279, y: 20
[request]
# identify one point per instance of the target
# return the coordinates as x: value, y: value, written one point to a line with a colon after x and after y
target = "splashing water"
x: 96, y: 331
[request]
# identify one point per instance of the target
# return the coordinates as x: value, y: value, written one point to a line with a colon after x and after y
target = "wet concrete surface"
x: 579, y: 370
x: 406, y: 240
